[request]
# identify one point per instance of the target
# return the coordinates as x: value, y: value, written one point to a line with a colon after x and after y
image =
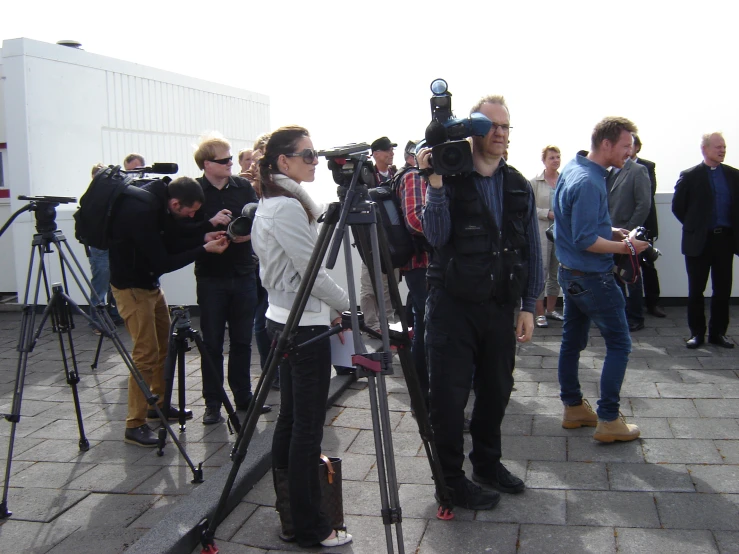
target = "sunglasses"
x: 222, y: 161
x: 309, y: 155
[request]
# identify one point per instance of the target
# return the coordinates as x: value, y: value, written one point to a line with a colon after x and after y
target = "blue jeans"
x: 416, y: 281
x: 593, y: 297
x: 100, y: 279
x: 634, y: 299
x: 227, y: 300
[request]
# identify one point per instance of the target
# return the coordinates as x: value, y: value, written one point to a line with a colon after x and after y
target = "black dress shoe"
x: 265, y: 409
x: 212, y: 416
x: 656, y: 311
x: 721, y: 340
x: 174, y: 414
x: 636, y: 326
x: 504, y: 481
x: 694, y: 342
x: 141, y: 436
x: 468, y: 495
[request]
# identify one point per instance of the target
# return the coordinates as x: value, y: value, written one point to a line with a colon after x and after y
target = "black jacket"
x: 147, y: 241
x: 692, y: 205
x: 651, y: 222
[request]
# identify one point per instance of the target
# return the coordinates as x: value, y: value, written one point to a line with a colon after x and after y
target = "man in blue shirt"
x: 586, y: 243
x: 486, y: 263
x: 706, y: 203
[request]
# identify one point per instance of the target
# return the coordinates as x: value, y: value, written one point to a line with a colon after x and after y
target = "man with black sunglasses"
x: 226, y: 284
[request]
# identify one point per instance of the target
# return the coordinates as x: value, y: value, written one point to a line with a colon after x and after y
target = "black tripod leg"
x: 207, y: 364
x: 181, y: 387
x: 60, y: 311
x: 94, y: 364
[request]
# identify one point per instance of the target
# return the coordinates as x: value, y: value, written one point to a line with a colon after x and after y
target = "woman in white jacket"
x: 283, y: 236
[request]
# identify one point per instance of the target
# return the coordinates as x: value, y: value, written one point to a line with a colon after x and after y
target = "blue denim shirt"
x: 581, y: 216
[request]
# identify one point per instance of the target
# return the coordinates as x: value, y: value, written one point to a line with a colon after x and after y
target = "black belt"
x: 719, y: 230
x: 575, y: 272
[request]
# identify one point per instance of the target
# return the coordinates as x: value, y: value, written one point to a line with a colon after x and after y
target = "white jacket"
x: 284, y: 240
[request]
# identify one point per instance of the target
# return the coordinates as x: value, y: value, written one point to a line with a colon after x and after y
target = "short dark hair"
x: 186, y: 190
x: 610, y: 129
x: 637, y: 141
x: 131, y: 157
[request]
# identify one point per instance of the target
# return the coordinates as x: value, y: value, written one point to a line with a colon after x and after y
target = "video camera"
x: 138, y: 176
x: 451, y: 153
x: 343, y: 161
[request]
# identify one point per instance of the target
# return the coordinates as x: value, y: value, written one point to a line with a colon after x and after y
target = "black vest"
x: 481, y: 261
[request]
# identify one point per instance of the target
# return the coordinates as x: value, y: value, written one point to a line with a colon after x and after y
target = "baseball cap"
x: 383, y: 143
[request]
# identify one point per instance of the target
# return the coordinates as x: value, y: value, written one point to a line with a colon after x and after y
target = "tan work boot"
x: 579, y: 416
x: 616, y: 430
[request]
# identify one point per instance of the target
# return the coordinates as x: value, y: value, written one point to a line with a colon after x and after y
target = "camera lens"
x: 451, y: 157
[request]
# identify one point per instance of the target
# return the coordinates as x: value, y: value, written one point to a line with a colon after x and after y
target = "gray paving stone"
x: 709, y: 376
x: 358, y: 418
x: 155, y: 513
x: 566, y: 475
x: 720, y: 363
x: 553, y: 539
x: 174, y: 480
x: 710, y: 479
x: 110, y: 541
x: 729, y: 390
x: 41, y: 505
x: 404, y: 444
x: 609, y: 509
x: 728, y: 541
x: 653, y: 427
x: 674, y: 363
x: 534, y: 405
x: 517, y: 425
x: 551, y: 426
x: 650, y: 477
x: 663, y: 407
x: 639, y: 389
x: 648, y: 541
x: 680, y: 451
x: 409, y: 469
x: 534, y: 448
x: 443, y: 537
x: 589, y: 450
x: 718, y: 408
x: 51, y: 475
x: 704, y: 428
x: 234, y: 548
x: 338, y: 439
x: 589, y: 389
x: 361, y: 497
x: 263, y: 493
x: 651, y: 376
x: 417, y: 501
x: 678, y: 390
x: 542, y: 506
x: 31, y: 537
x: 698, y: 511
x: 729, y: 450
x: 111, y: 478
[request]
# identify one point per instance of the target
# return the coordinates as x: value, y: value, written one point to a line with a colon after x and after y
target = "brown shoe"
x: 579, y: 416
x: 616, y: 430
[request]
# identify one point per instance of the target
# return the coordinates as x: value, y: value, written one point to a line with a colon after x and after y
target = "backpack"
x: 92, y: 219
x: 402, y: 244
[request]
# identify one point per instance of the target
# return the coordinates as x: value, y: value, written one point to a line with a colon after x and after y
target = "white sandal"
x: 342, y: 537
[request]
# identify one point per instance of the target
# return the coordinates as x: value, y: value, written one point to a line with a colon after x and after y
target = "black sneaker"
x: 212, y: 415
x: 174, y: 414
x: 141, y: 436
x: 504, y: 481
x: 470, y: 496
x: 265, y: 409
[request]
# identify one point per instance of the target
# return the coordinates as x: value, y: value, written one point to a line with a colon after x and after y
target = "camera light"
x: 439, y: 86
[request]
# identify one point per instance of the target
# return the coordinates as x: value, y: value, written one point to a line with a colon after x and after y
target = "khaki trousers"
x: 146, y: 316
x: 368, y: 302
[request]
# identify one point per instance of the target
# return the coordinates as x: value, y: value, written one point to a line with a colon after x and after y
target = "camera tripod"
x: 180, y: 333
x: 354, y: 210
x: 60, y: 308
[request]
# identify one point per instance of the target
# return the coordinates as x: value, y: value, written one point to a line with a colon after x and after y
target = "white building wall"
x: 67, y: 109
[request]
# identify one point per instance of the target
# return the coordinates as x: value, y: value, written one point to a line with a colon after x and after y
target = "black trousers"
x: 305, y: 376
x: 468, y: 345
x: 718, y: 259
x: 651, y: 285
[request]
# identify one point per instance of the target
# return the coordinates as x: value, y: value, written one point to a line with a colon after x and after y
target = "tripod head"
x: 180, y: 317
x: 44, y: 208
x: 347, y: 164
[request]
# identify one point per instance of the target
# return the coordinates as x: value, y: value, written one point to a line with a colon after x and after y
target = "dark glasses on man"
x: 222, y: 161
x: 309, y: 155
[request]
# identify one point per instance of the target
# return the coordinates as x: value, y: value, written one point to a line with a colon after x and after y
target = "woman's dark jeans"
x: 304, y: 381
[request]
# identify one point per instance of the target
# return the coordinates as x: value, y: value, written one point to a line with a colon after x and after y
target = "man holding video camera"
x: 487, y: 258
x: 143, y: 233
x: 226, y: 284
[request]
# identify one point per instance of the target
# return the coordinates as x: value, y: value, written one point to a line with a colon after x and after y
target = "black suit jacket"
x: 692, y: 205
x: 651, y: 222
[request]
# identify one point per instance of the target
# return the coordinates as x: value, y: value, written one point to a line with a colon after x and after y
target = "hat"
x: 410, y: 148
x: 383, y: 143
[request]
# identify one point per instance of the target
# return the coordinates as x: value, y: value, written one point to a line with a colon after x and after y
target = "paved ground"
x: 674, y: 490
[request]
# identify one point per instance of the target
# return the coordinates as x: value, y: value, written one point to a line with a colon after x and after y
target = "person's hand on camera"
x: 525, y: 326
x: 550, y: 215
x: 639, y: 245
x: 237, y: 240
x: 337, y: 321
x: 619, y: 234
x: 424, y: 162
x: 216, y: 246
x: 221, y: 218
x: 214, y: 235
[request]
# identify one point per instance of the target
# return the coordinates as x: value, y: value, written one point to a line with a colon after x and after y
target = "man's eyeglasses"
x: 222, y: 161
x: 309, y: 155
x: 505, y: 127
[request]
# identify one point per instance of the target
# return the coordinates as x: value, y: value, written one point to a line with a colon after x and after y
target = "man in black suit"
x: 649, y: 271
x: 706, y: 202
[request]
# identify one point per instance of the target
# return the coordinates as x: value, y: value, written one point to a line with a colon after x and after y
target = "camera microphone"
x: 164, y: 168
x: 435, y: 134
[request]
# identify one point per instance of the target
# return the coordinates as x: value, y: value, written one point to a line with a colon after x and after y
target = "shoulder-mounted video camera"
x: 451, y: 153
x: 343, y: 161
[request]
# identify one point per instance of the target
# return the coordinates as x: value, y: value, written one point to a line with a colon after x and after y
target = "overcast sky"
x: 353, y: 72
